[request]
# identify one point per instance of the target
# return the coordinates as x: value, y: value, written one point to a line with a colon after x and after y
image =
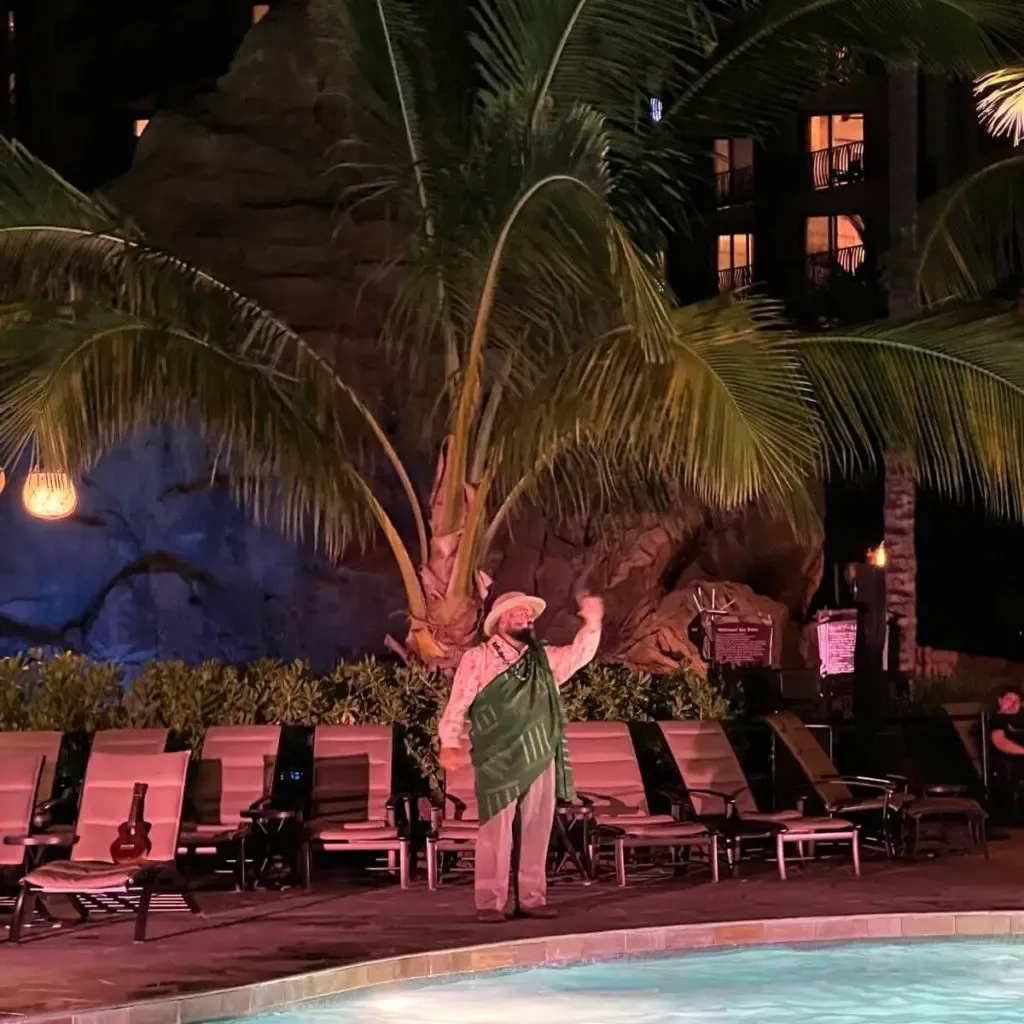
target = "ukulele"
x: 132, y: 842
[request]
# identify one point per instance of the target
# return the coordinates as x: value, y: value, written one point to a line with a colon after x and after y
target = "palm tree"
x: 542, y: 357
x: 900, y: 502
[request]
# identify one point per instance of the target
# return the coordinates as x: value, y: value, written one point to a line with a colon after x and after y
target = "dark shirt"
x: 1012, y: 727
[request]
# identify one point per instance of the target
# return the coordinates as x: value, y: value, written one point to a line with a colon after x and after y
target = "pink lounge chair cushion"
x: 107, y: 798
x: 462, y: 828
x: 330, y: 831
x: 19, y: 778
x: 793, y: 821
x: 81, y: 876
x: 929, y: 805
x: 659, y: 826
x: 193, y: 833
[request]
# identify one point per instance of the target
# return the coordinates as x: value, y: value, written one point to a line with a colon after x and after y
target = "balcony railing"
x: 823, y: 266
x: 735, y: 186
x: 733, y: 278
x: 839, y: 165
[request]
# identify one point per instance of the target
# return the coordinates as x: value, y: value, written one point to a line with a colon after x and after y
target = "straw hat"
x: 505, y: 603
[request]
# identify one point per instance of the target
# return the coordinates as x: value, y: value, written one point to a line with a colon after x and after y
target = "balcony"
x: 837, y: 165
x: 734, y: 186
x: 823, y: 267
x: 733, y: 278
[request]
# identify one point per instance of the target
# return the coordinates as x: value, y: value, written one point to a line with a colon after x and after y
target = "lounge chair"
x: 106, y: 802
x: 969, y: 720
x: 234, y: 775
x: 889, y: 799
x: 454, y: 823
x: 44, y: 744
x: 717, y: 788
x: 129, y: 741
x: 353, y: 805
x: 610, y: 791
x: 19, y: 783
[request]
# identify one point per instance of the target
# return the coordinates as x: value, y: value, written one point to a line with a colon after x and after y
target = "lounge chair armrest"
x: 42, y: 839
x: 903, y: 782
x: 945, y: 789
x: 436, y: 816
x: 575, y: 810
x: 396, y: 800
x: 729, y: 799
x: 42, y: 813
x: 865, y: 782
x: 259, y: 805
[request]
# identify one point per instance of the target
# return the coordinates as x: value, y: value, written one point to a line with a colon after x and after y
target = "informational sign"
x: 837, y: 641
x: 742, y: 643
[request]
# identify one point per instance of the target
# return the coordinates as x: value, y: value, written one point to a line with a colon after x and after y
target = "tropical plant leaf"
x: 947, y: 390
x: 972, y: 242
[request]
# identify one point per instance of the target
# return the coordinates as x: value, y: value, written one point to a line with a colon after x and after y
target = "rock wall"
x: 159, y: 563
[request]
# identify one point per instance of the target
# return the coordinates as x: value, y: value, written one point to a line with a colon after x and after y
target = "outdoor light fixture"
x: 3, y: 480
x: 878, y: 557
x: 49, y: 496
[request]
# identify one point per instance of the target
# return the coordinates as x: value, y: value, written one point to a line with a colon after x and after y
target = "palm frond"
x: 78, y: 380
x: 1000, y: 96
x: 728, y: 418
x: 973, y: 238
x: 772, y: 56
x: 81, y: 305
x: 947, y: 390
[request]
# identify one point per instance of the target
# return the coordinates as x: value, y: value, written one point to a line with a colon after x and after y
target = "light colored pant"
x: 494, y: 848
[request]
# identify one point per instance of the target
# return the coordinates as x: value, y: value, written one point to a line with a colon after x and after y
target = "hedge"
x: 71, y: 694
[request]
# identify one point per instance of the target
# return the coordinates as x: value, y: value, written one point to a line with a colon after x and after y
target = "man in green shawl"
x: 507, y: 689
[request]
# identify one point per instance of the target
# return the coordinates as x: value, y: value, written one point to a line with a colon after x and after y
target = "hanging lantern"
x: 49, y: 495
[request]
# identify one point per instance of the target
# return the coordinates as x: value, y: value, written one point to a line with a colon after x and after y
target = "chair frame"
x: 399, y: 848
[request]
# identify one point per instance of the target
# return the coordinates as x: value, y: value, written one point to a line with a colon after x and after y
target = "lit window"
x: 834, y: 242
x: 657, y: 109
x: 734, y: 170
x: 836, y: 143
x: 735, y: 261
x: 140, y: 125
x: 259, y: 12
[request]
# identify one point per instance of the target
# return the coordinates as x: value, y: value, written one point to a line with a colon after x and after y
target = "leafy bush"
x: 929, y: 692
x: 67, y: 693
x: 71, y: 694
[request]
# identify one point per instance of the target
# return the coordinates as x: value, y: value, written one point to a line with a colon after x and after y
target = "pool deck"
x: 253, y: 937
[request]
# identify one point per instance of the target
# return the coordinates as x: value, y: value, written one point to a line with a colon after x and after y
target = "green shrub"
x: 71, y: 694
x: 929, y: 692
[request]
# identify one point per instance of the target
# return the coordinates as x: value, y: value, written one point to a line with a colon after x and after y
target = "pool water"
x: 927, y: 982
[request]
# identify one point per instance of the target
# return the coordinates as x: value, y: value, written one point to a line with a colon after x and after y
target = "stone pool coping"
x: 279, y: 992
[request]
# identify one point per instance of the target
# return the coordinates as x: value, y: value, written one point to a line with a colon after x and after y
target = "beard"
x: 521, y: 636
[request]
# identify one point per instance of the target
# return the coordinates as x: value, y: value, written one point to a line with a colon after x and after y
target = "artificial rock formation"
x: 160, y: 563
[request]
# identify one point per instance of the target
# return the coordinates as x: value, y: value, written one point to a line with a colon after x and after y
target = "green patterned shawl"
x: 517, y: 728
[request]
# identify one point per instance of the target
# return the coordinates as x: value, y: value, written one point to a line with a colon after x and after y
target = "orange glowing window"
x: 259, y: 12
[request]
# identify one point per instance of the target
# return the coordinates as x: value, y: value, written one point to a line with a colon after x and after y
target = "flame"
x: 878, y: 557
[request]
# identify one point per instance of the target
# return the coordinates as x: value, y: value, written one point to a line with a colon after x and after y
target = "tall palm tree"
x: 900, y: 502
x: 542, y: 356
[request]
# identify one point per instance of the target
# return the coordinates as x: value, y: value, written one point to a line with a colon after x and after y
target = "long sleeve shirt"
x: 485, y: 662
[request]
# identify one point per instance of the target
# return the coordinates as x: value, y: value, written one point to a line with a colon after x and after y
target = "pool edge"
x: 219, y: 1004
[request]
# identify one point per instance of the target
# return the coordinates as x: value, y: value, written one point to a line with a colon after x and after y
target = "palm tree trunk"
x: 900, y: 489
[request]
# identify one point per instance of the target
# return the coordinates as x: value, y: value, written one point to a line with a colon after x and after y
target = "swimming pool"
x: 910, y: 982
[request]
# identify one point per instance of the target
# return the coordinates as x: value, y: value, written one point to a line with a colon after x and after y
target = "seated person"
x: 1006, y: 739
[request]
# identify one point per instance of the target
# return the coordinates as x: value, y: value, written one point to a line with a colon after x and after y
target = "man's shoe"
x: 491, y: 917
x: 543, y: 912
